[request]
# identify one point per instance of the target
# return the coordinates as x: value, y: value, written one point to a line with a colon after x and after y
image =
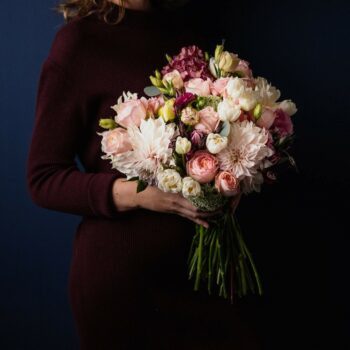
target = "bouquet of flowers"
x: 210, y: 130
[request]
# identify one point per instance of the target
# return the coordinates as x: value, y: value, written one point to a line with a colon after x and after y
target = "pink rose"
x: 115, y: 141
x: 267, y: 118
x: 226, y: 184
x: 130, y: 112
x: 218, y: 86
x: 198, y: 86
x: 208, y: 120
x: 202, y: 167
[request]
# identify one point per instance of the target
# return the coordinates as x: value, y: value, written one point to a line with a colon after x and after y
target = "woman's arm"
x: 53, y: 178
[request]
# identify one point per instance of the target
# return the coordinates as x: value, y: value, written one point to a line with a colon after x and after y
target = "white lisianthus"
x: 175, y: 78
x: 216, y: 143
x: 183, y: 145
x: 228, y: 62
x: 288, y: 107
x: 126, y: 96
x: 213, y: 67
x: 190, y: 187
x: 169, y: 180
x: 267, y: 93
x: 228, y: 110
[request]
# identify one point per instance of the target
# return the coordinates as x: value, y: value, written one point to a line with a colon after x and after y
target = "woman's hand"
x: 125, y: 198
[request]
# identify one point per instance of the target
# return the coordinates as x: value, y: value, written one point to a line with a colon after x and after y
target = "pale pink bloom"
x: 246, y: 149
x: 267, y: 118
x: 174, y: 77
x: 130, y: 112
x: 150, y: 150
x: 115, y: 141
x: 217, y: 88
x: 202, y: 167
x: 243, y: 67
x: 208, y: 120
x: 226, y: 184
x: 152, y: 105
x: 198, y: 86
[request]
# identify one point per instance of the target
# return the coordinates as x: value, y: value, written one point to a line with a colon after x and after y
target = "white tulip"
x: 216, y: 143
x: 183, y: 145
x: 190, y: 187
x: 169, y: 180
x: 228, y: 110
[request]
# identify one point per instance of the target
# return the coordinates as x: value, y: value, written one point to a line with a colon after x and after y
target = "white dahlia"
x: 150, y: 150
x: 246, y: 150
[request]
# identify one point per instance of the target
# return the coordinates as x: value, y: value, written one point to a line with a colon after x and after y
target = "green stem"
x: 199, y: 261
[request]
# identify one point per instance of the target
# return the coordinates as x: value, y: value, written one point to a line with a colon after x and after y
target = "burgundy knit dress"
x: 128, y: 280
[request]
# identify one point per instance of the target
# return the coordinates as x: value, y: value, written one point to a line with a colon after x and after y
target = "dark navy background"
x: 296, y: 229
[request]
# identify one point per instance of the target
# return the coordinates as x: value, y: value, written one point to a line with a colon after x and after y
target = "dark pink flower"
x: 197, y: 138
x: 283, y: 123
x: 190, y: 62
x: 184, y: 99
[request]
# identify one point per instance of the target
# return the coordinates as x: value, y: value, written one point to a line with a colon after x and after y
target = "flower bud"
x: 167, y: 112
x: 228, y: 62
x: 155, y: 81
x: 218, y: 51
x: 183, y: 145
x: 257, y: 111
x: 107, y: 123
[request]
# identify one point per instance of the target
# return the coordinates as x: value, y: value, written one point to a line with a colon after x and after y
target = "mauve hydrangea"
x: 191, y: 63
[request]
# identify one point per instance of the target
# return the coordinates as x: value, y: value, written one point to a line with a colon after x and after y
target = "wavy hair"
x: 106, y: 10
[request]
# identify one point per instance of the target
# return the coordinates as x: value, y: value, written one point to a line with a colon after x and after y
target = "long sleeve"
x: 53, y: 178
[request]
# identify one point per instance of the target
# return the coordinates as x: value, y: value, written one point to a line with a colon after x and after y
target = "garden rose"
x: 130, y: 112
x: 202, y: 167
x: 226, y: 184
x: 208, y: 120
x: 115, y: 141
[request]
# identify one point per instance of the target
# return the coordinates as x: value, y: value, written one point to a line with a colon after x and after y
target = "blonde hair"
x: 106, y: 10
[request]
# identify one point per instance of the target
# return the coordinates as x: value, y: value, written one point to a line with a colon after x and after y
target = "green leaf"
x: 151, y: 91
x: 134, y: 179
x: 141, y: 186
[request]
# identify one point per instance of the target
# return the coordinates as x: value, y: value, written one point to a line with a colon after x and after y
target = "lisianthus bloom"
x: 190, y: 63
x: 184, y: 99
x: 174, y: 77
x: 208, y: 120
x: 198, y: 86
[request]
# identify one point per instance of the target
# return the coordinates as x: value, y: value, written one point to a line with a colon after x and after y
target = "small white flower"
x: 183, y: 145
x: 288, y: 107
x: 190, y: 187
x: 216, y: 143
x: 175, y: 78
x: 228, y: 110
x: 169, y: 180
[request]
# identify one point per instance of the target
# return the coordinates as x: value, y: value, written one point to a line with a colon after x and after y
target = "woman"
x: 128, y: 279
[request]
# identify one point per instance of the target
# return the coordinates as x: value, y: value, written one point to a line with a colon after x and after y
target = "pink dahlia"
x: 190, y: 62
